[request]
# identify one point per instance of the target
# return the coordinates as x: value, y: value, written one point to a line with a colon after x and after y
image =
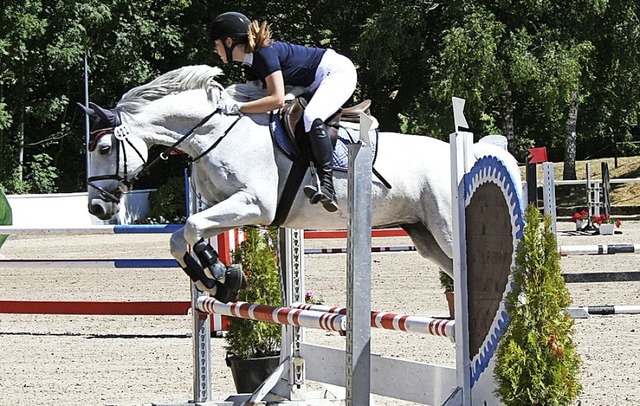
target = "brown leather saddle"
x: 291, y: 116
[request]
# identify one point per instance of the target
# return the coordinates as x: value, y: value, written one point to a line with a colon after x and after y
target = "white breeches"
x: 334, y: 84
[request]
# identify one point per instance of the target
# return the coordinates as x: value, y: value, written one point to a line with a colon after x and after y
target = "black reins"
x: 163, y: 156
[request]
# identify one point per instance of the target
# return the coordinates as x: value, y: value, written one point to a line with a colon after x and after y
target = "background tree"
x: 543, y: 73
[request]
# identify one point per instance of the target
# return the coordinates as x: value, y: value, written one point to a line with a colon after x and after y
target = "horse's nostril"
x: 97, y: 210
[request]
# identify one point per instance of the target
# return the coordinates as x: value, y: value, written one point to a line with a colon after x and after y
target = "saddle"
x: 291, y: 117
x: 287, y: 129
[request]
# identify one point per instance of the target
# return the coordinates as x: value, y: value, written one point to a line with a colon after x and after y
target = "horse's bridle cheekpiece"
x: 121, y: 134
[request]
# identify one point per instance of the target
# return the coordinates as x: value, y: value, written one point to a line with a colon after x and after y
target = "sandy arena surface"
x: 135, y: 360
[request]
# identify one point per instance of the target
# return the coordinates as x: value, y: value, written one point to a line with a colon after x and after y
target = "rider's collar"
x: 248, y: 59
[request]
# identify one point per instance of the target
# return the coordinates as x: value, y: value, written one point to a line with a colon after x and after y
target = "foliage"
x: 606, y: 219
x: 5, y: 214
x: 581, y: 215
x: 169, y: 202
x: 258, y: 256
x: 537, y: 362
x: 311, y: 298
x: 446, y: 281
x: 41, y: 177
x: 517, y: 64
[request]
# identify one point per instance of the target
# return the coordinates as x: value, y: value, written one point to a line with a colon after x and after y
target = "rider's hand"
x: 229, y: 106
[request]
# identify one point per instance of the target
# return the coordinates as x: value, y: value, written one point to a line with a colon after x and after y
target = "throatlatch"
x: 226, y: 280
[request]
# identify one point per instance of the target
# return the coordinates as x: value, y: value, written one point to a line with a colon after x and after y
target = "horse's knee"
x: 177, y: 244
x: 191, y: 231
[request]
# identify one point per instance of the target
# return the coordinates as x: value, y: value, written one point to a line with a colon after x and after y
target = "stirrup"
x: 316, y: 197
x: 312, y: 190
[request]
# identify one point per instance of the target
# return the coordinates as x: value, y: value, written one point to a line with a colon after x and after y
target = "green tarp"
x: 5, y: 214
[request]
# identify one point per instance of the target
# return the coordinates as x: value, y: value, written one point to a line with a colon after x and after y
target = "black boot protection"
x: 228, y: 279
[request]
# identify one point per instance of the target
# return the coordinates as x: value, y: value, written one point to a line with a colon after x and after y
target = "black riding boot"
x: 322, y: 150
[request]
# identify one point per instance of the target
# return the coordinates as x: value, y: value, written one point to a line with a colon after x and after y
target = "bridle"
x: 121, y: 134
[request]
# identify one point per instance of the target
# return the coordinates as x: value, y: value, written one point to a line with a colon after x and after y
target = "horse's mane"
x: 190, y: 78
x: 172, y: 82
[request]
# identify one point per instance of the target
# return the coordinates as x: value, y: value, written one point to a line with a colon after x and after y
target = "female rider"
x: 329, y: 77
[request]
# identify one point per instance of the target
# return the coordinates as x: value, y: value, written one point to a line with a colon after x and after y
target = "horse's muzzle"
x: 102, y: 209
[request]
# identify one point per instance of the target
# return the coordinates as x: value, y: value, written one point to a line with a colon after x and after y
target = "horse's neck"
x: 167, y: 120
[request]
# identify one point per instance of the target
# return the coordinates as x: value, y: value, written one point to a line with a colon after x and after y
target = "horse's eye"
x: 104, y: 149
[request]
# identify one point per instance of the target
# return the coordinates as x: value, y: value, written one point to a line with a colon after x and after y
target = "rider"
x: 330, y: 77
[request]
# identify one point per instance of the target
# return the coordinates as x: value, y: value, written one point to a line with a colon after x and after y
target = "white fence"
x: 70, y: 210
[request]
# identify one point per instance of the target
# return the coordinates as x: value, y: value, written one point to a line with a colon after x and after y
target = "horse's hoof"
x: 223, y: 294
x: 233, y: 282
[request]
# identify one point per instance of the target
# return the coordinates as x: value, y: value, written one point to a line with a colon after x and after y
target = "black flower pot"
x: 248, y: 374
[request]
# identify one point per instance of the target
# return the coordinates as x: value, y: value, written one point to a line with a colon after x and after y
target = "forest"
x: 559, y: 74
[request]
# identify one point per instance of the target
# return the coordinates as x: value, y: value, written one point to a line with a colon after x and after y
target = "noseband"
x: 121, y: 133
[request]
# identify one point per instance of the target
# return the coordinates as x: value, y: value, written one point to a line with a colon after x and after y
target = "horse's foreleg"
x: 210, y: 274
x: 239, y: 210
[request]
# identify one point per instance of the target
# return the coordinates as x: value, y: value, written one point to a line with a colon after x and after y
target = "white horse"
x: 241, y: 173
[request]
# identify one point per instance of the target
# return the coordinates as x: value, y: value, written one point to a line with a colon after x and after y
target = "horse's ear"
x: 106, y: 115
x: 86, y: 110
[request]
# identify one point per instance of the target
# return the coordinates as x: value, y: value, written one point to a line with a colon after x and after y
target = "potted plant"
x: 581, y: 219
x: 606, y: 224
x: 447, y: 283
x: 252, y: 346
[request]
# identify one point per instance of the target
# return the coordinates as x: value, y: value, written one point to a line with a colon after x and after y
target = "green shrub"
x: 5, y: 214
x: 258, y: 256
x: 168, y: 203
x: 537, y: 363
x: 446, y: 281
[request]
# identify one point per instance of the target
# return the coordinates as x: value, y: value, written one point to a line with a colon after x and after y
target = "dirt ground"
x: 135, y: 360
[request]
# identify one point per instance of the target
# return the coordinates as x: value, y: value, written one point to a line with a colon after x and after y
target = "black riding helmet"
x: 230, y: 24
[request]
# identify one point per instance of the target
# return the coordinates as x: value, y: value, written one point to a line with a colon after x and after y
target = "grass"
x: 625, y: 197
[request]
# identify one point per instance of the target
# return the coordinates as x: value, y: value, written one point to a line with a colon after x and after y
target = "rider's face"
x: 218, y: 48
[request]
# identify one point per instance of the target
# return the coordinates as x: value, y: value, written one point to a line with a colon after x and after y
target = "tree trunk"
x: 569, y: 172
x: 507, y: 124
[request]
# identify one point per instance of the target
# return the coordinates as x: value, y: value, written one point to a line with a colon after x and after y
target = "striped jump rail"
x: 108, y: 229
x: 88, y: 263
x: 271, y: 314
x: 396, y: 248
x: 393, y: 321
x: 599, y: 249
x: 386, y: 232
x: 583, y: 312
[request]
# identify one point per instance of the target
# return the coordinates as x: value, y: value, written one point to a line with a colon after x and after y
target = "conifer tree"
x: 537, y: 362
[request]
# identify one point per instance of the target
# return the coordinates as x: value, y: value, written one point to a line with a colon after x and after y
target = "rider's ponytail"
x: 259, y: 36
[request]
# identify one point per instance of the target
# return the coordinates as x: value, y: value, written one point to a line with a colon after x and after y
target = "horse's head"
x: 115, y: 157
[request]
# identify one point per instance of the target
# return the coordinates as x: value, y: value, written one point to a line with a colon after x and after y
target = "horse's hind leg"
x: 428, y: 247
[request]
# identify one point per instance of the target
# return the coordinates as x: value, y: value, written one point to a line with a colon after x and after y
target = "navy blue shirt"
x: 298, y: 63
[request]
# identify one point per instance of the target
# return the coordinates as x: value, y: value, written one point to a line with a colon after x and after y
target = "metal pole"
x: 549, y: 193
x: 461, y: 156
x: 201, y: 329
x: 86, y: 117
x: 358, y: 345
